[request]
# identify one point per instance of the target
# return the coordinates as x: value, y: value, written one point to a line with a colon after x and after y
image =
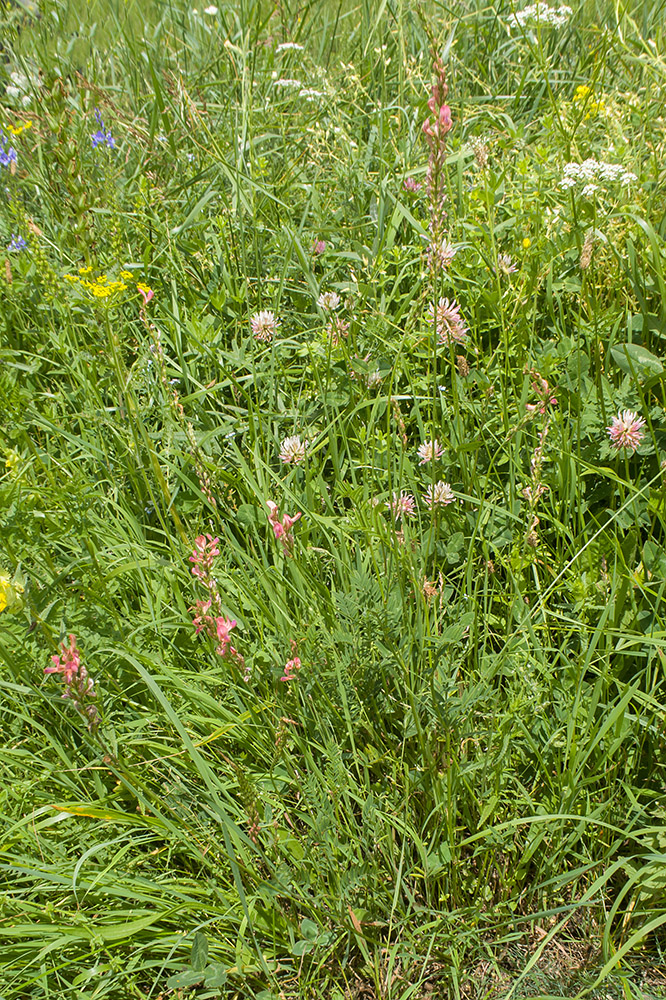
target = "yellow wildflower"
x: 72, y: 278
x: 127, y: 275
x: 85, y: 270
x: 527, y: 242
x: 6, y: 594
x: 100, y: 291
x: 581, y: 93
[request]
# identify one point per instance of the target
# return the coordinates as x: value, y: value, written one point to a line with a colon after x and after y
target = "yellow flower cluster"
x: 17, y: 129
x: 100, y: 287
x: 593, y: 107
x: 10, y: 592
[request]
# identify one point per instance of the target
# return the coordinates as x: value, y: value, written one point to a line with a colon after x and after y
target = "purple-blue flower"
x: 102, y: 136
x: 17, y: 244
x: 8, y: 155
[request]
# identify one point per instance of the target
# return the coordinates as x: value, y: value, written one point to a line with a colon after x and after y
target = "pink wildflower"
x: 410, y: 184
x: 449, y: 323
x: 293, y: 664
x: 264, y: 325
x: 626, y: 430
x: 318, y: 246
x: 282, y: 528
x: 401, y: 505
x: 544, y: 394
x: 435, y: 130
x: 79, y: 685
x: 430, y: 451
x: 146, y: 294
x: 205, y: 551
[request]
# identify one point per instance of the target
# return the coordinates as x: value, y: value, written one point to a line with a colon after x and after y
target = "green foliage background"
x: 446, y: 772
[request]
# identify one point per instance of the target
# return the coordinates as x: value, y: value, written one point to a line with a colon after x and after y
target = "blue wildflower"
x: 8, y: 155
x: 17, y: 244
x: 102, y: 136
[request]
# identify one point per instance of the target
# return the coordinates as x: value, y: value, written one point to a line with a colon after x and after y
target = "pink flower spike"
x: 146, y: 294
x: 318, y: 246
x: 626, y: 431
x: 409, y: 184
x: 282, y: 528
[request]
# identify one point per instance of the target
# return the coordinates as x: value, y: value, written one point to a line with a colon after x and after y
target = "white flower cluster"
x: 592, y: 170
x: 286, y: 82
x: 19, y: 87
x: 289, y: 47
x: 541, y: 13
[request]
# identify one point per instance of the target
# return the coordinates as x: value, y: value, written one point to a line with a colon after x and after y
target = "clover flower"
x: 626, y: 431
x: 264, y: 325
x: 430, y: 451
x: 410, y: 184
x: 505, y: 264
x: 401, y: 505
x: 318, y: 246
x: 337, y: 328
x: 292, y: 450
x: 329, y: 301
x: 441, y: 254
x: 438, y: 495
x: 449, y: 323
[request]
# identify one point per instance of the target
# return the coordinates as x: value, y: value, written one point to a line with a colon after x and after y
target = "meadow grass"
x: 409, y: 743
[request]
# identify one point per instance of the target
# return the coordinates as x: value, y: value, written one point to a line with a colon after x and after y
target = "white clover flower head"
x: 292, y: 450
x: 438, y: 494
x: 264, y: 325
x: 430, y: 451
x: 329, y: 301
x: 211, y: 11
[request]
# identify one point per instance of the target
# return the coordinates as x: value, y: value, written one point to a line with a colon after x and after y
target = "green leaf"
x: 309, y: 929
x: 636, y: 360
x: 182, y: 979
x: 199, y: 956
x: 216, y: 975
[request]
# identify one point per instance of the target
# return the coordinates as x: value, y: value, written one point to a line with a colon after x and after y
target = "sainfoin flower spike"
x: 292, y: 665
x: 282, y: 529
x: 79, y: 687
x: 626, y: 431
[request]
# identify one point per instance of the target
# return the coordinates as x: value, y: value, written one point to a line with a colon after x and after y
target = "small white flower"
x: 287, y: 83
x: 289, y: 46
x: 328, y: 301
x: 589, y: 190
x: 212, y: 10
x: 310, y: 94
x: 439, y: 494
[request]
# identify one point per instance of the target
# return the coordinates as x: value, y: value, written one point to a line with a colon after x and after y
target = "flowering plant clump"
x: 79, y: 687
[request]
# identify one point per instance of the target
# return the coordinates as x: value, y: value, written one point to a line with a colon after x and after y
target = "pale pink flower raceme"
x: 441, y: 254
x: 438, y: 495
x: 292, y: 450
x: 435, y: 130
x: 79, y: 687
x: 450, y: 325
x: 401, y: 505
x: 264, y: 325
x: 209, y: 618
x: 409, y: 184
x: 205, y: 551
x: 291, y: 666
x: 430, y: 451
x: 282, y: 529
x: 626, y: 431
x: 544, y: 394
